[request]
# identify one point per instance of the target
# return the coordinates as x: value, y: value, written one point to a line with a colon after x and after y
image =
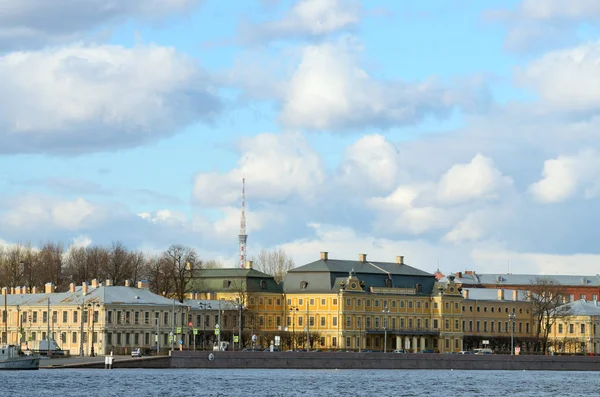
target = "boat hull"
x: 21, y: 363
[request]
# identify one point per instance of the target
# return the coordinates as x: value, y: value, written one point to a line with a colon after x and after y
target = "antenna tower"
x: 243, y: 237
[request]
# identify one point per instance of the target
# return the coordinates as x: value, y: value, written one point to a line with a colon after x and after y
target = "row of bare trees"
x: 169, y: 272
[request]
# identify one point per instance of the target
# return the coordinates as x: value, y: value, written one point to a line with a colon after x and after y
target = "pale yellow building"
x: 578, y: 330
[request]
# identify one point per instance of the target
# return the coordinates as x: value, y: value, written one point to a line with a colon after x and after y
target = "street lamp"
x: 386, y: 312
x: 91, y: 307
x: 204, y: 306
x: 512, y: 317
x: 240, y: 307
x: 293, y: 310
x: 81, y: 332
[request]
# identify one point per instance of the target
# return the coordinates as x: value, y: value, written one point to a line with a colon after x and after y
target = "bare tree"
x: 275, y: 263
x: 138, y: 264
x: 76, y: 264
x: 184, y: 264
x: 97, y: 262
x: 50, y: 265
x: 14, y: 265
x: 118, y: 266
x: 158, y: 271
x: 547, y: 299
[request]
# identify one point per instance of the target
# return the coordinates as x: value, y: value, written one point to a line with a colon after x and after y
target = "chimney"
x: 515, y: 295
x: 108, y: 283
x: 72, y: 287
x: 94, y: 283
x: 34, y: 290
x: 4, y: 291
x: 324, y: 256
x: 48, y: 288
x: 18, y: 290
x: 249, y: 264
x: 500, y: 294
x: 84, y: 288
x: 143, y: 284
x: 466, y: 293
x: 362, y: 257
x: 400, y: 259
x: 12, y: 290
x: 127, y: 283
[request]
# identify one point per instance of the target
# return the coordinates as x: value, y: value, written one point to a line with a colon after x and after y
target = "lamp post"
x: 19, y: 337
x: 386, y: 312
x: 512, y: 318
x: 240, y: 307
x: 293, y: 310
x: 157, y: 334
x: 203, y: 306
x: 91, y: 309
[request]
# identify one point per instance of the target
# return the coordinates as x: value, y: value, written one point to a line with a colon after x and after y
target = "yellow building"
x: 576, y: 332
x: 259, y: 298
x: 370, y: 305
x: 90, y: 319
x: 489, y: 315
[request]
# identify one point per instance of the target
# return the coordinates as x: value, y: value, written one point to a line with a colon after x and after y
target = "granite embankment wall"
x: 299, y: 360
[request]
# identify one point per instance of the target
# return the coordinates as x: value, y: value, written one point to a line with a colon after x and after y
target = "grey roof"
x: 106, y: 295
x: 324, y: 276
x: 583, y: 308
x: 488, y: 294
x: 525, y: 279
x: 210, y: 304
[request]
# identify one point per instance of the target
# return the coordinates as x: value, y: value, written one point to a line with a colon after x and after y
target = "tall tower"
x: 243, y: 237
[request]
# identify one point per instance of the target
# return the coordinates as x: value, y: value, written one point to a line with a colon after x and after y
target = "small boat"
x: 11, y: 357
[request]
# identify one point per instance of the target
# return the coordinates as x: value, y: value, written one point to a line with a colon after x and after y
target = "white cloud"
x: 277, y: 168
x: 329, y: 91
x: 27, y: 23
x: 164, y: 216
x: 566, y: 79
x: 35, y: 211
x: 566, y: 176
x: 478, y: 179
x: 545, y: 24
x: 306, y: 18
x: 370, y: 165
x: 88, y: 98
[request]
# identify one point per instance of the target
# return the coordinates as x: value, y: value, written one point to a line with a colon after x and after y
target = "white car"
x: 137, y: 352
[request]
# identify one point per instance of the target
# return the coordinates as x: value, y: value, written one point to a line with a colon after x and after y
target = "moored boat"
x: 12, y: 358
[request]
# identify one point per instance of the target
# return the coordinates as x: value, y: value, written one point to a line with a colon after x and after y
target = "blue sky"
x: 461, y: 134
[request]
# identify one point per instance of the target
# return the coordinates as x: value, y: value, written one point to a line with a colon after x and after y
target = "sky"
x: 461, y: 134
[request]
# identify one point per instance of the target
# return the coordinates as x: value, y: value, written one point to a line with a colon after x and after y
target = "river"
x: 305, y: 383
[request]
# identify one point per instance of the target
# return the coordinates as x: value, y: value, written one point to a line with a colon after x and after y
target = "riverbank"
x: 306, y: 360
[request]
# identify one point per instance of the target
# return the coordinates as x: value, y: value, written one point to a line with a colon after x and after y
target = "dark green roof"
x: 321, y: 276
x: 248, y: 280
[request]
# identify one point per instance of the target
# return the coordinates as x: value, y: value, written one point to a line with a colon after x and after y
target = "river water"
x: 305, y: 383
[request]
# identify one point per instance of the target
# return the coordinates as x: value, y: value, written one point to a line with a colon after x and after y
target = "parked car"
x: 137, y: 352
x: 465, y: 352
x: 268, y: 349
x: 399, y: 351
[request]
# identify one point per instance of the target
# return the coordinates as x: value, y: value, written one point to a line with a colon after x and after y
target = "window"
x: 410, y: 304
x: 311, y: 322
x: 572, y: 297
x: 582, y: 296
x: 334, y: 321
x: 322, y: 341
x: 571, y: 328
x: 520, y: 327
x: 435, y: 305
x: 368, y: 302
x: 348, y: 302
x: 136, y: 318
x: 74, y: 337
x: 303, y: 284
x: 582, y: 330
x: 299, y: 320
x: 426, y: 323
x: 376, y: 302
x: 322, y: 321
x: 261, y: 321
x: 595, y: 297
x: 402, y: 304
x: 359, y: 302
x: 147, y: 318
x: 492, y: 326
x: 457, y: 328
x: 289, y: 301
x: 410, y: 323
x: 75, y: 316
x: 35, y: 316
x: 426, y: 305
x: 65, y: 318
x: 312, y: 302
x: 261, y: 301
x: 418, y: 305
x: 348, y: 322
x: 289, y: 321
x: 263, y: 284
x: 435, y: 324
x: 278, y: 302
x: 300, y: 302
x: 323, y: 302
x: 44, y: 317
x: 402, y: 322
x: 334, y: 341
x: 485, y: 326
x: 270, y: 301
x: 447, y: 324
x: 478, y: 328
x: 348, y: 341
x: 368, y: 322
x: 447, y: 306
x: 334, y: 301
x: 278, y: 321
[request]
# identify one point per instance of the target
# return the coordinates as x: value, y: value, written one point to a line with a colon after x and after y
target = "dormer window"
x: 263, y: 284
x: 226, y: 284
x: 303, y: 284
x: 388, y: 282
